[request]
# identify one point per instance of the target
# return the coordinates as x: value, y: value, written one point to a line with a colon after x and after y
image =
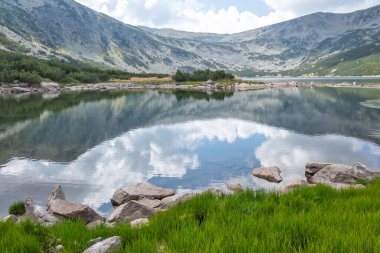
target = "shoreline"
x: 24, y: 89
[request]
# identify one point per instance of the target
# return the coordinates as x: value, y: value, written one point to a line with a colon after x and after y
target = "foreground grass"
x: 315, y: 219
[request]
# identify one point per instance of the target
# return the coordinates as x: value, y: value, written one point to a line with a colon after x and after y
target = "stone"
x: 138, y: 191
x: 30, y: 209
x: 59, y: 248
x: 72, y: 210
x: 343, y: 174
x: 108, y: 245
x: 313, y: 168
x: 50, y: 87
x: 293, y: 185
x: 270, y: 174
x: 11, y: 217
x: 172, y: 200
x: 95, y: 224
x: 153, y: 203
x: 139, y: 222
x: 234, y: 187
x: 49, y: 219
x: 19, y: 90
x: 93, y: 241
x: 56, y: 193
x: 130, y: 211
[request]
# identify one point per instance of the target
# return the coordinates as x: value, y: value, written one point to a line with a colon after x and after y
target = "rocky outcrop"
x: 296, y: 183
x: 30, y: 209
x: 56, y: 193
x: 108, y: 245
x: 270, y: 174
x: 139, y: 191
x: 131, y: 211
x: 338, y: 174
x: 50, y: 87
x: 72, y: 210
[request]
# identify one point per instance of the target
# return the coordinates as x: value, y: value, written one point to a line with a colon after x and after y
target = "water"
x: 93, y: 143
x: 349, y: 79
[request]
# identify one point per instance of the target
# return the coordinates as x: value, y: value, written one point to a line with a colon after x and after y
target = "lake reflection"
x: 183, y: 141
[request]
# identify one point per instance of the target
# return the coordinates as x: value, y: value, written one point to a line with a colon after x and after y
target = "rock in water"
x: 130, y: 211
x: 56, y: 193
x: 108, y: 245
x: 72, y: 210
x: 271, y: 174
x: 342, y: 174
x: 140, y: 190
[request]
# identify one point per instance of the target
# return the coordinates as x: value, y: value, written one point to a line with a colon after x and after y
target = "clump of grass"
x: 17, y: 208
x: 362, y: 181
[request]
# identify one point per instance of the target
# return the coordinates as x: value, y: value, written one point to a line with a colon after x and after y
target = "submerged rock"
x: 105, y: 246
x: 72, y: 210
x: 270, y: 174
x: 339, y: 174
x: 130, y: 211
x: 138, y: 191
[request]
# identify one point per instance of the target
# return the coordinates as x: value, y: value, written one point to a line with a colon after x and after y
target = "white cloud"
x: 190, y: 15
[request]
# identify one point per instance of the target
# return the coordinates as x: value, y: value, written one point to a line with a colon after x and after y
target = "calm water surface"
x: 93, y: 143
x: 348, y: 79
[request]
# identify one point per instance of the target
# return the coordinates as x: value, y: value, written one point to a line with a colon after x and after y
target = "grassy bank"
x: 315, y: 219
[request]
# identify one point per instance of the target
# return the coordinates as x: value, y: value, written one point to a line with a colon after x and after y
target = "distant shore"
x: 238, y: 86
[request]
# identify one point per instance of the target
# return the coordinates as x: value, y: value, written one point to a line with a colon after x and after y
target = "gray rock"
x: 49, y: 219
x: 234, y: 187
x: 270, y: 174
x: 293, y: 184
x: 49, y: 87
x: 72, y: 210
x: 138, y: 191
x: 95, y: 224
x: 343, y: 174
x: 313, y: 168
x: 130, y: 211
x: 172, y: 200
x: 11, y: 217
x: 18, y: 90
x: 56, y: 193
x: 139, y: 222
x: 93, y: 241
x: 153, y: 203
x: 59, y: 248
x: 107, y: 245
x: 30, y: 209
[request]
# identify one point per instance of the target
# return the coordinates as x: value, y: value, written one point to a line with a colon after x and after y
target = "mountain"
x: 62, y: 28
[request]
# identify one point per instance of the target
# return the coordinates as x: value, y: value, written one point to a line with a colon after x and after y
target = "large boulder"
x: 172, y: 200
x: 131, y: 211
x: 152, y: 203
x: 138, y: 191
x: 270, y: 174
x: 72, y: 210
x: 313, y: 168
x: 56, y: 193
x: 108, y: 245
x: 340, y: 174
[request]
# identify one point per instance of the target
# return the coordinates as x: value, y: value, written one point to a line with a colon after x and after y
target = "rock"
x: 153, y: 203
x: 18, y: 90
x: 59, y: 248
x: 50, y: 87
x: 139, y: 222
x: 95, y: 224
x: 138, y: 191
x: 343, y: 174
x: 313, y: 168
x: 172, y: 200
x: 72, y: 210
x: 130, y: 211
x: 56, y: 193
x: 270, y: 174
x: 49, y: 219
x: 293, y: 184
x: 30, y: 209
x: 234, y: 187
x: 107, y: 245
x: 93, y: 241
x: 11, y: 217
x: 215, y: 192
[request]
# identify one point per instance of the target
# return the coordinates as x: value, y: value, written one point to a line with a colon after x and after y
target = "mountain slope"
x: 51, y: 28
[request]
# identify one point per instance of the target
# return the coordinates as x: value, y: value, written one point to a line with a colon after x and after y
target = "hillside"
x: 61, y: 28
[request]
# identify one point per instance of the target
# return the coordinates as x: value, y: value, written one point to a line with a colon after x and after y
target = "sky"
x: 218, y: 16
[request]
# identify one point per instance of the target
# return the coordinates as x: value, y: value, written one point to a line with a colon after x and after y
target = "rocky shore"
x: 14, y: 89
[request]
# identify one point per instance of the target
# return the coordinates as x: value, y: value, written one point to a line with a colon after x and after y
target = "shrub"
x: 201, y: 75
x: 17, y: 208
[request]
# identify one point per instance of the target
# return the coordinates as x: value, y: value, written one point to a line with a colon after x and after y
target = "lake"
x: 345, y: 79
x: 92, y: 143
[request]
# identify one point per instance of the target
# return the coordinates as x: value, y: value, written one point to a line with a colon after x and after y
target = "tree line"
x: 202, y: 75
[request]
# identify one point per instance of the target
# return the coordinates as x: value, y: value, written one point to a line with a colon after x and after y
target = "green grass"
x: 17, y: 208
x: 314, y: 219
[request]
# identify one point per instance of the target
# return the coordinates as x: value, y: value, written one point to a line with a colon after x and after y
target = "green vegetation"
x: 202, y: 75
x: 17, y: 208
x: 31, y: 70
x: 312, y: 219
